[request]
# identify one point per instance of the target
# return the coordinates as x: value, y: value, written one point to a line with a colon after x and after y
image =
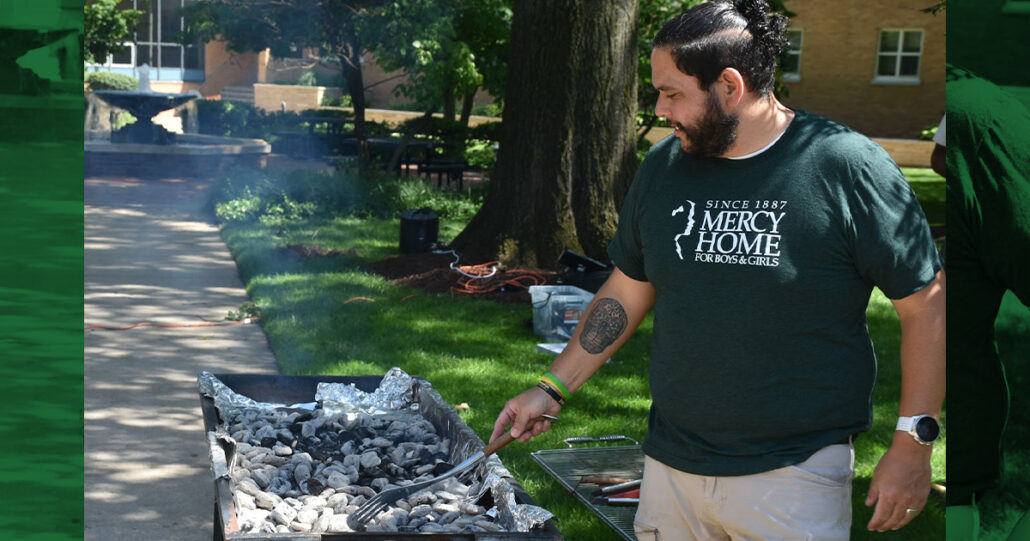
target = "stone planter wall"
x: 296, y: 97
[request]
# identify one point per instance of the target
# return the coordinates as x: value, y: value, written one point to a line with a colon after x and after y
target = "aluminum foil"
x: 229, y: 402
x: 395, y: 392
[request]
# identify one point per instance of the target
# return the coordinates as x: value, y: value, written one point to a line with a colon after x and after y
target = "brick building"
x: 874, y: 65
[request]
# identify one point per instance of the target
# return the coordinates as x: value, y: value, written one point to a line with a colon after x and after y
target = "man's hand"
x: 901, y: 481
x: 519, y: 410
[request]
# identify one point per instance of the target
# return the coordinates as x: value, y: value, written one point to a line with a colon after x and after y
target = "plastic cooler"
x: 557, y: 310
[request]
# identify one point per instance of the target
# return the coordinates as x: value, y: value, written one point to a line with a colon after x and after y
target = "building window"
x: 154, y: 44
x: 898, y: 57
x: 790, y: 63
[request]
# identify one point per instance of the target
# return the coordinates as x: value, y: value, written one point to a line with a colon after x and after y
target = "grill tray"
x: 297, y: 389
x: 568, y: 466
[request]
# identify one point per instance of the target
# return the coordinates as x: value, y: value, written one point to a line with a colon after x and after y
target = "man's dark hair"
x: 739, y: 34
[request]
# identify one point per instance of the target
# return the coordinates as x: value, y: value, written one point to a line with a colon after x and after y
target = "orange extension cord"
x: 489, y: 277
x: 173, y: 325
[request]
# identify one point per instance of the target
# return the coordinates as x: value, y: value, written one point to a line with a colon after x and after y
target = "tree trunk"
x: 466, y: 108
x: 567, y: 135
x: 448, y: 101
x: 356, y: 88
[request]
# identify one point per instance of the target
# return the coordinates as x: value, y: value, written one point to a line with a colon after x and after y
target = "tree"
x: 465, y: 51
x: 105, y: 29
x: 567, y: 140
x: 653, y: 14
x: 337, y: 29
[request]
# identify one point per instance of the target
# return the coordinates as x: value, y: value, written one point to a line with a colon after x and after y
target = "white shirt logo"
x: 686, y: 231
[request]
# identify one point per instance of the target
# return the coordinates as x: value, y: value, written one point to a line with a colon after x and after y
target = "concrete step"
x: 239, y: 93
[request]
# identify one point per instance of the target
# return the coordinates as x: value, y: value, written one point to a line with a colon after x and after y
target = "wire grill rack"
x: 568, y: 466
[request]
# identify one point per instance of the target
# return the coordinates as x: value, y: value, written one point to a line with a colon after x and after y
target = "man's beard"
x: 712, y: 134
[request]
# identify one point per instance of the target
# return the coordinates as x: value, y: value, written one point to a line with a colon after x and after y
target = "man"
x: 756, y: 233
x: 988, y: 252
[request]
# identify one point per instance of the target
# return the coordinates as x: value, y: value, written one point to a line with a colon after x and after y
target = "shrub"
x: 237, y: 119
x: 491, y: 109
x: 643, y: 146
x: 279, y: 199
x: 282, y: 198
x: 403, y: 193
x: 490, y: 131
x: 227, y: 118
x: 443, y: 128
x: 480, y: 153
x: 307, y: 79
x: 928, y: 132
x: 106, y: 80
x: 341, y: 101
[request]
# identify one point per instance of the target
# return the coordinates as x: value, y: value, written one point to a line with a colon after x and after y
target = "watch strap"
x: 906, y: 424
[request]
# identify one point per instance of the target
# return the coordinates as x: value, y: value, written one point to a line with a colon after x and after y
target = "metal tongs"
x: 368, y: 510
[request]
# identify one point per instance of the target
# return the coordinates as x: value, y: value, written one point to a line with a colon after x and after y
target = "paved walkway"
x: 153, y: 254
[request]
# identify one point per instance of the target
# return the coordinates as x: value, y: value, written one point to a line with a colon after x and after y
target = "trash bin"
x: 419, y: 229
x: 557, y: 310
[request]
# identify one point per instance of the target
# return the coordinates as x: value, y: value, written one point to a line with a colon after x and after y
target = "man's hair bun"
x: 766, y: 27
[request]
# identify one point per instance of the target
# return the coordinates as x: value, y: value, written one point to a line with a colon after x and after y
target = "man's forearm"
x: 615, y: 313
x: 923, y: 365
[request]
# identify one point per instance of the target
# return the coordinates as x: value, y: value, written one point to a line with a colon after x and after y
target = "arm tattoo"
x: 603, y: 326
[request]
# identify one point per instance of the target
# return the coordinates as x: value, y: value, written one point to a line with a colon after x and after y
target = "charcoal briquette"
x: 322, y: 522
x: 314, y: 486
x: 260, y: 477
x: 297, y: 526
x: 370, y: 459
x: 441, y: 468
x: 419, y: 511
x: 284, y: 513
x: 266, y: 500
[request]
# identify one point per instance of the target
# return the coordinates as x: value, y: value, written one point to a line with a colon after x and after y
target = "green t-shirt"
x: 763, y: 269
x: 988, y: 251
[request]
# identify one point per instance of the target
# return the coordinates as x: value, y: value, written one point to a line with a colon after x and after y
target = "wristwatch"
x: 924, y: 428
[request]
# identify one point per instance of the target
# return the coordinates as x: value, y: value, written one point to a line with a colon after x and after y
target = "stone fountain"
x: 146, y: 149
x: 144, y: 104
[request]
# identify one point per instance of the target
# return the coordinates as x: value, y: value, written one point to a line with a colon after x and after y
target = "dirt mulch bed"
x: 432, y: 273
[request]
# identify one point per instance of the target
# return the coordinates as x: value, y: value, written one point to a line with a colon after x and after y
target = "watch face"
x: 927, y: 429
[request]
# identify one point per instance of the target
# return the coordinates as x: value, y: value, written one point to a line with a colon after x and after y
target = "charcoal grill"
x: 569, y: 466
x: 300, y: 389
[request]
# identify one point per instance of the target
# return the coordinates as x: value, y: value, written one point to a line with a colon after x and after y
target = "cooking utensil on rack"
x: 605, y: 439
x: 378, y: 503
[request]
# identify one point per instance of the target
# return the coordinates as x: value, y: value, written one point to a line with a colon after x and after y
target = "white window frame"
x: 156, y: 41
x: 794, y: 77
x: 109, y: 62
x: 897, y: 79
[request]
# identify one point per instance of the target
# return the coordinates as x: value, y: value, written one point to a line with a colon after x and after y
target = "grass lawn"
x: 929, y: 188
x: 482, y: 353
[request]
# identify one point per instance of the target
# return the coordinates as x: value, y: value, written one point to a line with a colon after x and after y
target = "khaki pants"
x: 811, y: 500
